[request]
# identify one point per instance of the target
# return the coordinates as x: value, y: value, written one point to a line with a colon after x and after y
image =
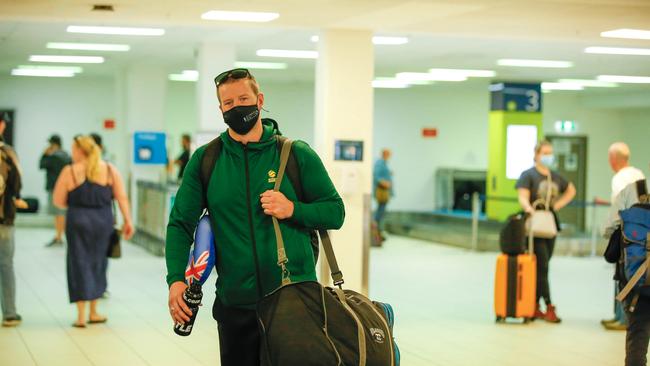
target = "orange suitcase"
x: 515, y: 286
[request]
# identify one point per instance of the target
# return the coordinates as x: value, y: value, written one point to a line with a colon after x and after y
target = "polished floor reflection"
x: 442, y: 296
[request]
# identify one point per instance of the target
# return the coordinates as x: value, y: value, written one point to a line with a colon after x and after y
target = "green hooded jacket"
x: 246, y: 252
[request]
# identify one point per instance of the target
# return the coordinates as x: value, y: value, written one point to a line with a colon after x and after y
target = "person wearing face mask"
x: 534, y: 185
x: 240, y: 198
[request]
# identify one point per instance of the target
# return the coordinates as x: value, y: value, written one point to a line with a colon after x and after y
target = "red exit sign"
x: 430, y: 132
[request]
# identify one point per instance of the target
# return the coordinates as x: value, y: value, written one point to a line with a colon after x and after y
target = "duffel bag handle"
x: 337, y: 275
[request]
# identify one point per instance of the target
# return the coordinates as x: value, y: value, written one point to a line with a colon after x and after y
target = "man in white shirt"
x: 625, y: 175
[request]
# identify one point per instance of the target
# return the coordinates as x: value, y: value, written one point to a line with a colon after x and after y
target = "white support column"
x: 211, y: 60
x: 144, y: 97
x: 344, y: 111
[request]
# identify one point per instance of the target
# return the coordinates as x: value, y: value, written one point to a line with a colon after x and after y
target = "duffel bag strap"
x: 282, y: 254
x: 361, y: 336
x: 337, y: 275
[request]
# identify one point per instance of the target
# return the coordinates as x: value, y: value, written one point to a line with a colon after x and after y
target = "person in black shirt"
x: 54, y: 159
x: 533, y: 187
x: 182, y: 160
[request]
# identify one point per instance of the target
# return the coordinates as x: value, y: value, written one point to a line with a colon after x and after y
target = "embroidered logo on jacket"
x: 272, y: 176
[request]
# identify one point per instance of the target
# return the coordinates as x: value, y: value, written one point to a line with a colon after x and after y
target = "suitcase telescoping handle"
x: 337, y: 275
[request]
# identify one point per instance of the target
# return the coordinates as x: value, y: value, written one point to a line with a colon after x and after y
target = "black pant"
x: 638, y: 334
x: 543, y: 251
x: 239, y: 337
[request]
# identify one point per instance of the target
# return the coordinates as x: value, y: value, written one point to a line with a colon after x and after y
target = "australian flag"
x: 202, y: 256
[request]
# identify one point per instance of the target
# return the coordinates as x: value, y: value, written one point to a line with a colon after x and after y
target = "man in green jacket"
x: 241, y: 201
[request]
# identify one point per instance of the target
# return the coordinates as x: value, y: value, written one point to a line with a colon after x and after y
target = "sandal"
x: 77, y: 325
x: 97, y: 321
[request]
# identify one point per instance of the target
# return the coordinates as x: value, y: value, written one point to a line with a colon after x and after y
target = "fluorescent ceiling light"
x: 287, y: 53
x: 561, y: 86
x: 534, y: 63
x: 239, y: 16
x: 126, y: 31
x: 89, y: 46
x: 185, y: 75
x: 67, y: 59
x: 261, y: 65
x: 383, y: 40
x: 379, y: 40
x: 589, y: 83
x: 625, y: 79
x: 389, y: 84
x: 618, y: 51
x: 425, y: 76
x: 463, y: 72
x: 408, y: 82
x: 43, y: 73
x: 627, y: 33
x: 74, y: 69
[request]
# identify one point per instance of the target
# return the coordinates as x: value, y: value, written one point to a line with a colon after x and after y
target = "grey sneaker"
x: 12, y: 322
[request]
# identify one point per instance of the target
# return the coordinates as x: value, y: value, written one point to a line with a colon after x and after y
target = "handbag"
x: 542, y: 223
x: 114, y: 242
x: 115, y: 246
x: 382, y: 194
x: 306, y: 323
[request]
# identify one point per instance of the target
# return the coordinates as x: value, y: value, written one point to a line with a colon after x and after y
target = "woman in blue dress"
x: 87, y: 189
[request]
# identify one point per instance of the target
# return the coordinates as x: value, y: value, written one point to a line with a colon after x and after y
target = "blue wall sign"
x: 150, y: 148
x: 516, y: 97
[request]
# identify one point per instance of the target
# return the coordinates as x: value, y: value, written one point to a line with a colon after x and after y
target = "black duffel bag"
x: 513, y: 235
x: 308, y: 324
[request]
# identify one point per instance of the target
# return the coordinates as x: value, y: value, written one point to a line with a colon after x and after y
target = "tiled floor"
x: 443, y: 298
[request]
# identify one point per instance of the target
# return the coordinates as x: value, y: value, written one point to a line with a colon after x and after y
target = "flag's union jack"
x: 195, y: 269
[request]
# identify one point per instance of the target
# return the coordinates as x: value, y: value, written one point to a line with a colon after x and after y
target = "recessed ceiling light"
x: 389, y: 83
x: 534, y: 63
x: 88, y: 46
x: 261, y: 65
x: 126, y: 31
x: 287, y: 53
x: 67, y: 59
x: 561, y: 86
x: 589, y: 83
x: 379, y: 40
x: 618, y: 51
x: 43, y: 73
x: 74, y: 69
x: 463, y: 72
x: 625, y: 79
x: 239, y: 16
x: 185, y: 75
x: 425, y: 76
x: 627, y: 33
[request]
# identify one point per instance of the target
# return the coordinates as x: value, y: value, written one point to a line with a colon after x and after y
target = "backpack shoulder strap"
x: 641, y: 190
x: 292, y: 169
x: 208, y: 162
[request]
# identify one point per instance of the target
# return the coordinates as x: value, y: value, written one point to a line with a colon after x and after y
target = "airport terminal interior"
x: 448, y: 98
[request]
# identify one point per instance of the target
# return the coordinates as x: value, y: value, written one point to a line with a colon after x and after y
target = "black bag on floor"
x: 307, y: 324
x: 513, y: 235
x: 32, y: 205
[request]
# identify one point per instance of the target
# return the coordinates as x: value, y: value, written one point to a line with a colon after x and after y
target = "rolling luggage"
x: 515, y: 286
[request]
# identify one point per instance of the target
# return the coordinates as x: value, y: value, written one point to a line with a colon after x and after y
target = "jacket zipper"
x: 250, y: 224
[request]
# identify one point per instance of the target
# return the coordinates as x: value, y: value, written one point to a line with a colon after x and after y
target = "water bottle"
x: 192, y: 297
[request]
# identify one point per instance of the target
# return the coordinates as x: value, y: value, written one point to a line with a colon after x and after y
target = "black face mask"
x: 242, y: 118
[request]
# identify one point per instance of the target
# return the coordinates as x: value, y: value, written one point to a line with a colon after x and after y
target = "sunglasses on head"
x: 231, y: 74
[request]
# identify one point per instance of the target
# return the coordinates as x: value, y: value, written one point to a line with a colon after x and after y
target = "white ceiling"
x: 458, y: 34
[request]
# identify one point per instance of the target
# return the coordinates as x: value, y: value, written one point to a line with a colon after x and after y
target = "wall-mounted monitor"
x: 348, y: 150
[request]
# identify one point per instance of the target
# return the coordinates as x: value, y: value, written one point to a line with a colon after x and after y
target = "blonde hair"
x: 93, y: 156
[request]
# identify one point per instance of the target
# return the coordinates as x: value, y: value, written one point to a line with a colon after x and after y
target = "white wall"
x: 458, y: 111
x: 45, y: 106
